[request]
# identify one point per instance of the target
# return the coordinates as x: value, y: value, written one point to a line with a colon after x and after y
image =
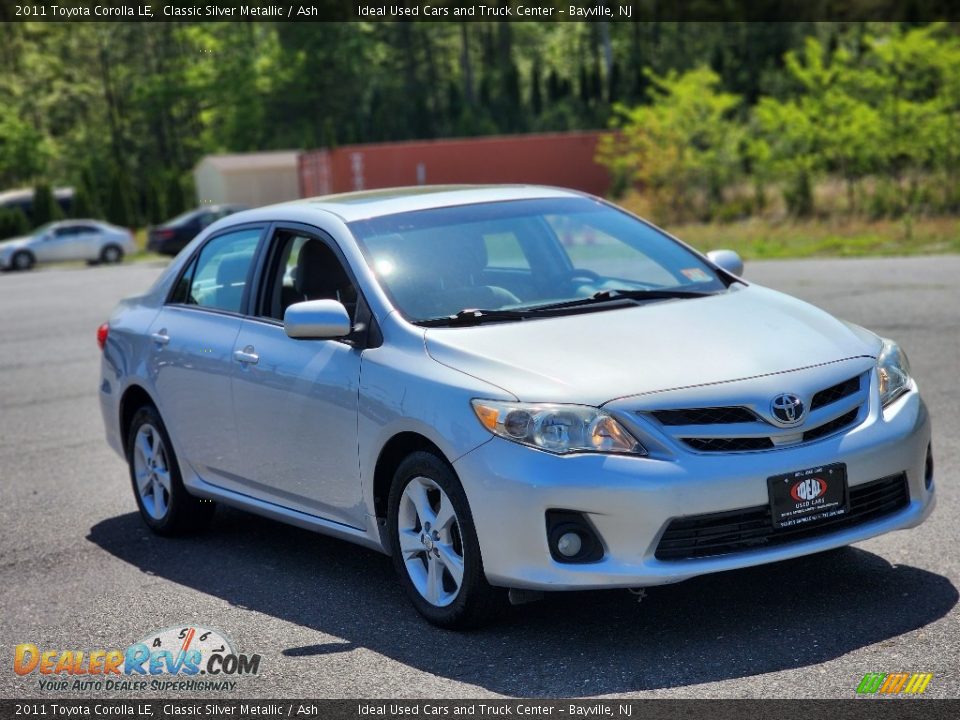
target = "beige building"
x: 251, y: 179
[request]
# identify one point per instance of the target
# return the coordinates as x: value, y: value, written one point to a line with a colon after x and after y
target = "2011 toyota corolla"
x: 507, y: 389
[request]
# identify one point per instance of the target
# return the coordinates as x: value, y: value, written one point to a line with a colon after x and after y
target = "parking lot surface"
x: 78, y: 570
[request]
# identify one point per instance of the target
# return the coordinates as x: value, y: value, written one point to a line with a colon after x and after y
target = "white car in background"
x: 92, y: 240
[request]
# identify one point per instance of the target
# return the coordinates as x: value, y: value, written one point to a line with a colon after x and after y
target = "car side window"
x: 181, y: 292
x: 217, y: 277
x: 306, y: 268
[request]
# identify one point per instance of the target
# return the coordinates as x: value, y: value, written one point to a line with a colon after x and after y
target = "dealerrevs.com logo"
x: 187, y: 658
x: 901, y: 683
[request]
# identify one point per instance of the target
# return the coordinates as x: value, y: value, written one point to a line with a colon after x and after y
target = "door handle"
x: 246, y: 356
x: 160, y: 338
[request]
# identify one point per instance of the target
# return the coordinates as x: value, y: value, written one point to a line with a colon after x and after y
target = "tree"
x: 536, y: 93
x: 45, y: 206
x: 13, y: 223
x: 175, y: 201
x: 119, y: 210
x: 682, y: 149
x: 84, y: 206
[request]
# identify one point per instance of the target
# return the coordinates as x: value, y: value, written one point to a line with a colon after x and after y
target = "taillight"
x: 102, y: 333
x: 165, y: 234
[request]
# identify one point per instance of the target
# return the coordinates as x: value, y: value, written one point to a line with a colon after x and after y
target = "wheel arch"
x: 391, y: 455
x: 25, y: 251
x: 133, y: 398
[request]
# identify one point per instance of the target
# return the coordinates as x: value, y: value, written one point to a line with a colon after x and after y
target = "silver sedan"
x: 509, y: 390
x: 94, y: 241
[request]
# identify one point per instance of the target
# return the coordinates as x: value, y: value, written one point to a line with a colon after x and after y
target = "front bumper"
x: 631, y: 500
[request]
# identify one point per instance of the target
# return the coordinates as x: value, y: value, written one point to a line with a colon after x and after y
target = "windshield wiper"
x: 605, y: 296
x: 474, y: 316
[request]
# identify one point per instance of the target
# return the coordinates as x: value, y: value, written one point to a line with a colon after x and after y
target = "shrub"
x: 45, y: 206
x: 13, y: 223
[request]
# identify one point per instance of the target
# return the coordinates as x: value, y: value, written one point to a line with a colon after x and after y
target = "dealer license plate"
x: 809, y: 496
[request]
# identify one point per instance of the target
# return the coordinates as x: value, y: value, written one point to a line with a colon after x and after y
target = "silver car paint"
x: 88, y: 246
x: 743, y: 333
x: 421, y: 382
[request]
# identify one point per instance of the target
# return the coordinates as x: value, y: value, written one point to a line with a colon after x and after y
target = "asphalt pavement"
x: 78, y: 570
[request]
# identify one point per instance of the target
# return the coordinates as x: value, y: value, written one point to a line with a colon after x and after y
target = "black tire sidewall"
x: 473, y: 599
x: 20, y: 254
x: 183, y: 508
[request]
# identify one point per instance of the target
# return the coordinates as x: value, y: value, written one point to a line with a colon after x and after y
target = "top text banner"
x: 465, y: 10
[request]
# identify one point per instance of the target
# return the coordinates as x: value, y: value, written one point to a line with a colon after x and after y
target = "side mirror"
x: 727, y: 260
x: 316, y: 320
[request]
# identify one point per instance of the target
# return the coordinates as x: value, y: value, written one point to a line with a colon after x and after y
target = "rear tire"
x: 22, y: 260
x: 111, y: 255
x: 165, y: 505
x: 434, y: 545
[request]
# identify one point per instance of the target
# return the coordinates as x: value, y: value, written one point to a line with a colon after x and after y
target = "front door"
x: 296, y: 400
x: 58, y: 244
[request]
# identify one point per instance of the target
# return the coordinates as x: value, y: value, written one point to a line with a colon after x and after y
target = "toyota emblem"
x: 787, y: 409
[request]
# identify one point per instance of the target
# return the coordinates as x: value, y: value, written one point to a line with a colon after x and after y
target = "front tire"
x: 165, y: 505
x: 22, y: 260
x: 434, y: 545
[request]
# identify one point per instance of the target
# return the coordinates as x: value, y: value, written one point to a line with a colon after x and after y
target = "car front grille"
x: 837, y: 392
x: 736, y: 428
x: 831, y: 427
x: 729, y: 444
x: 704, y: 416
x: 701, y: 536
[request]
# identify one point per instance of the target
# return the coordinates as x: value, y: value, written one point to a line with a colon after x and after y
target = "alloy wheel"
x: 151, y: 471
x: 431, y: 543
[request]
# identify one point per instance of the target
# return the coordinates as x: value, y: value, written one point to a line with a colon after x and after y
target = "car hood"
x: 593, y: 358
x: 15, y: 243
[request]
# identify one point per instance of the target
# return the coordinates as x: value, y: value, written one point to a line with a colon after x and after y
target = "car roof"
x: 80, y: 221
x: 366, y: 204
x: 212, y: 208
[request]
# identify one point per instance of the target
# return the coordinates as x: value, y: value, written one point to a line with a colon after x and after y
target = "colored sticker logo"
x: 695, y: 274
x: 808, y: 489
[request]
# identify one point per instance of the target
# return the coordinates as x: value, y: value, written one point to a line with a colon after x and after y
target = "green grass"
x: 142, y: 254
x: 760, y: 238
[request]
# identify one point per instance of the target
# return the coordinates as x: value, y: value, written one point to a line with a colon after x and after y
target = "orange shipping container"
x: 562, y: 159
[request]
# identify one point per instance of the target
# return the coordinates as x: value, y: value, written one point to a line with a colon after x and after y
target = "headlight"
x: 893, y: 370
x: 557, y: 428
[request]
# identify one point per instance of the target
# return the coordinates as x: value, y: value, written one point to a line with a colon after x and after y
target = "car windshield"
x: 523, y: 256
x: 43, y: 229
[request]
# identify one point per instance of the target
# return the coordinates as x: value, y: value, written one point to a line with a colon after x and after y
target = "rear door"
x: 296, y: 400
x: 192, y: 358
x: 87, y: 242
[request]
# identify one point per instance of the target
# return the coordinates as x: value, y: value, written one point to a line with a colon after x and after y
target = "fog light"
x: 572, y: 538
x: 569, y: 544
x: 928, y: 470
